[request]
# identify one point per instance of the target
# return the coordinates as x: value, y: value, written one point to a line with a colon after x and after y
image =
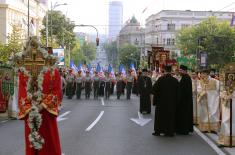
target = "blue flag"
x: 98, y: 68
x: 72, y: 66
x: 71, y: 63
x: 110, y: 69
x: 79, y: 67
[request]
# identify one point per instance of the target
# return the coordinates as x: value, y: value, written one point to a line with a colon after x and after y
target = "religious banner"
x: 227, y: 132
x: 6, y: 86
x: 39, y: 97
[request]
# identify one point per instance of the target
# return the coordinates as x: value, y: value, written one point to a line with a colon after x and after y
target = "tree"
x: 111, y: 52
x: 77, y: 54
x: 62, y: 29
x: 129, y: 54
x: 215, y: 38
x: 14, y: 44
x: 88, y: 51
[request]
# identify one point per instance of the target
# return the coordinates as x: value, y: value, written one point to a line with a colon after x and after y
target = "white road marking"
x: 96, y: 121
x: 4, y: 121
x: 141, y: 120
x: 214, y: 146
x: 102, y: 100
x: 61, y: 117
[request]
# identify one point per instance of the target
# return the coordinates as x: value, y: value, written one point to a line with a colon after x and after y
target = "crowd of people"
x: 181, y: 98
x: 184, y: 99
x: 104, y: 85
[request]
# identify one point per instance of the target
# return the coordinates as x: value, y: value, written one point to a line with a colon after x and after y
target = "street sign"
x: 59, y: 52
x: 203, y: 59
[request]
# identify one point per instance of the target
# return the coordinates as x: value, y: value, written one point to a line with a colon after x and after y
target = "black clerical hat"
x: 183, y: 67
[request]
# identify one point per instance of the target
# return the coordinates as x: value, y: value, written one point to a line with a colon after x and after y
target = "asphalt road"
x: 104, y: 127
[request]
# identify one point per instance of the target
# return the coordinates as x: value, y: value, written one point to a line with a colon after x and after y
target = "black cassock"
x: 145, y: 89
x: 184, y: 110
x: 165, y: 92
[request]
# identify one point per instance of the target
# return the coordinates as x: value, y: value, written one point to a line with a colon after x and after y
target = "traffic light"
x: 97, y: 41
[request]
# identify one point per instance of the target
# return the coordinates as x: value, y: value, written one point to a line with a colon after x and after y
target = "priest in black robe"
x: 184, y: 110
x: 165, y: 92
x: 145, y: 89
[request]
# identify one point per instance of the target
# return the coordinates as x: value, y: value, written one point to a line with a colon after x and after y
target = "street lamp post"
x: 97, y: 34
x: 52, y: 7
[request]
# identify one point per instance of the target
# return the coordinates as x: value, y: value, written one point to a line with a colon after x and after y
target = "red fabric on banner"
x: 3, y: 104
x: 49, y: 131
x: 51, y: 99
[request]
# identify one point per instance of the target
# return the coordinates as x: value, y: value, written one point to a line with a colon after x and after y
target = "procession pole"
x: 208, y: 115
x: 207, y: 108
x: 231, y: 129
x: 196, y: 121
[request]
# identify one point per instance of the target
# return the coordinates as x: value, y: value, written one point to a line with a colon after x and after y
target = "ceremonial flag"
x: 89, y: 69
x: 73, y: 67
x: 122, y: 70
x: 132, y: 67
x: 80, y: 67
x: 98, y: 68
x: 110, y: 68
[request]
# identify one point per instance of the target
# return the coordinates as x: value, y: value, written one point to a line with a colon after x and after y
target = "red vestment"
x: 3, y: 104
x: 51, y: 99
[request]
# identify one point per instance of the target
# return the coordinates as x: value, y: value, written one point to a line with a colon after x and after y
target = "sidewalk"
x: 211, y: 139
x: 214, y: 138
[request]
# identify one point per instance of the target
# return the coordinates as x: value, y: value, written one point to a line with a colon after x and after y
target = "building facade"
x: 161, y: 27
x: 115, y: 18
x: 15, y: 13
x: 132, y: 33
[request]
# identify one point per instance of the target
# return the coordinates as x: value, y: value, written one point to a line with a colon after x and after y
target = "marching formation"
x: 98, y: 83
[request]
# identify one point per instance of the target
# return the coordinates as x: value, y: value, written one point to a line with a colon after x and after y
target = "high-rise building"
x: 15, y: 13
x: 115, y: 18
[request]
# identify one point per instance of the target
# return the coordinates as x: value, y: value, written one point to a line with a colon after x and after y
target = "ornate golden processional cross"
x: 33, y: 62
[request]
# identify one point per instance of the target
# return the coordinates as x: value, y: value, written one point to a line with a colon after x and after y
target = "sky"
x: 95, y: 12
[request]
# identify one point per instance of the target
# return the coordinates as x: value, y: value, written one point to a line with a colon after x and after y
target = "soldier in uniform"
x: 101, y: 88
x: 79, y: 84
x: 70, y: 84
x: 96, y: 85
x: 119, y: 85
x: 129, y: 83
x: 107, y: 87
x: 88, y: 83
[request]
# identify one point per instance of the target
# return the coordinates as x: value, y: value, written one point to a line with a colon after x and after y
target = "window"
x: 170, y: 27
x: 173, y: 42
x: 168, y: 41
x: 184, y: 26
x: 164, y: 40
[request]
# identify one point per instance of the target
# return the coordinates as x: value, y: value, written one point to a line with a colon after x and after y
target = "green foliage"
x: 111, y: 52
x: 62, y: 29
x: 129, y: 53
x: 14, y: 44
x: 214, y: 37
x: 77, y: 54
x: 88, y: 51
